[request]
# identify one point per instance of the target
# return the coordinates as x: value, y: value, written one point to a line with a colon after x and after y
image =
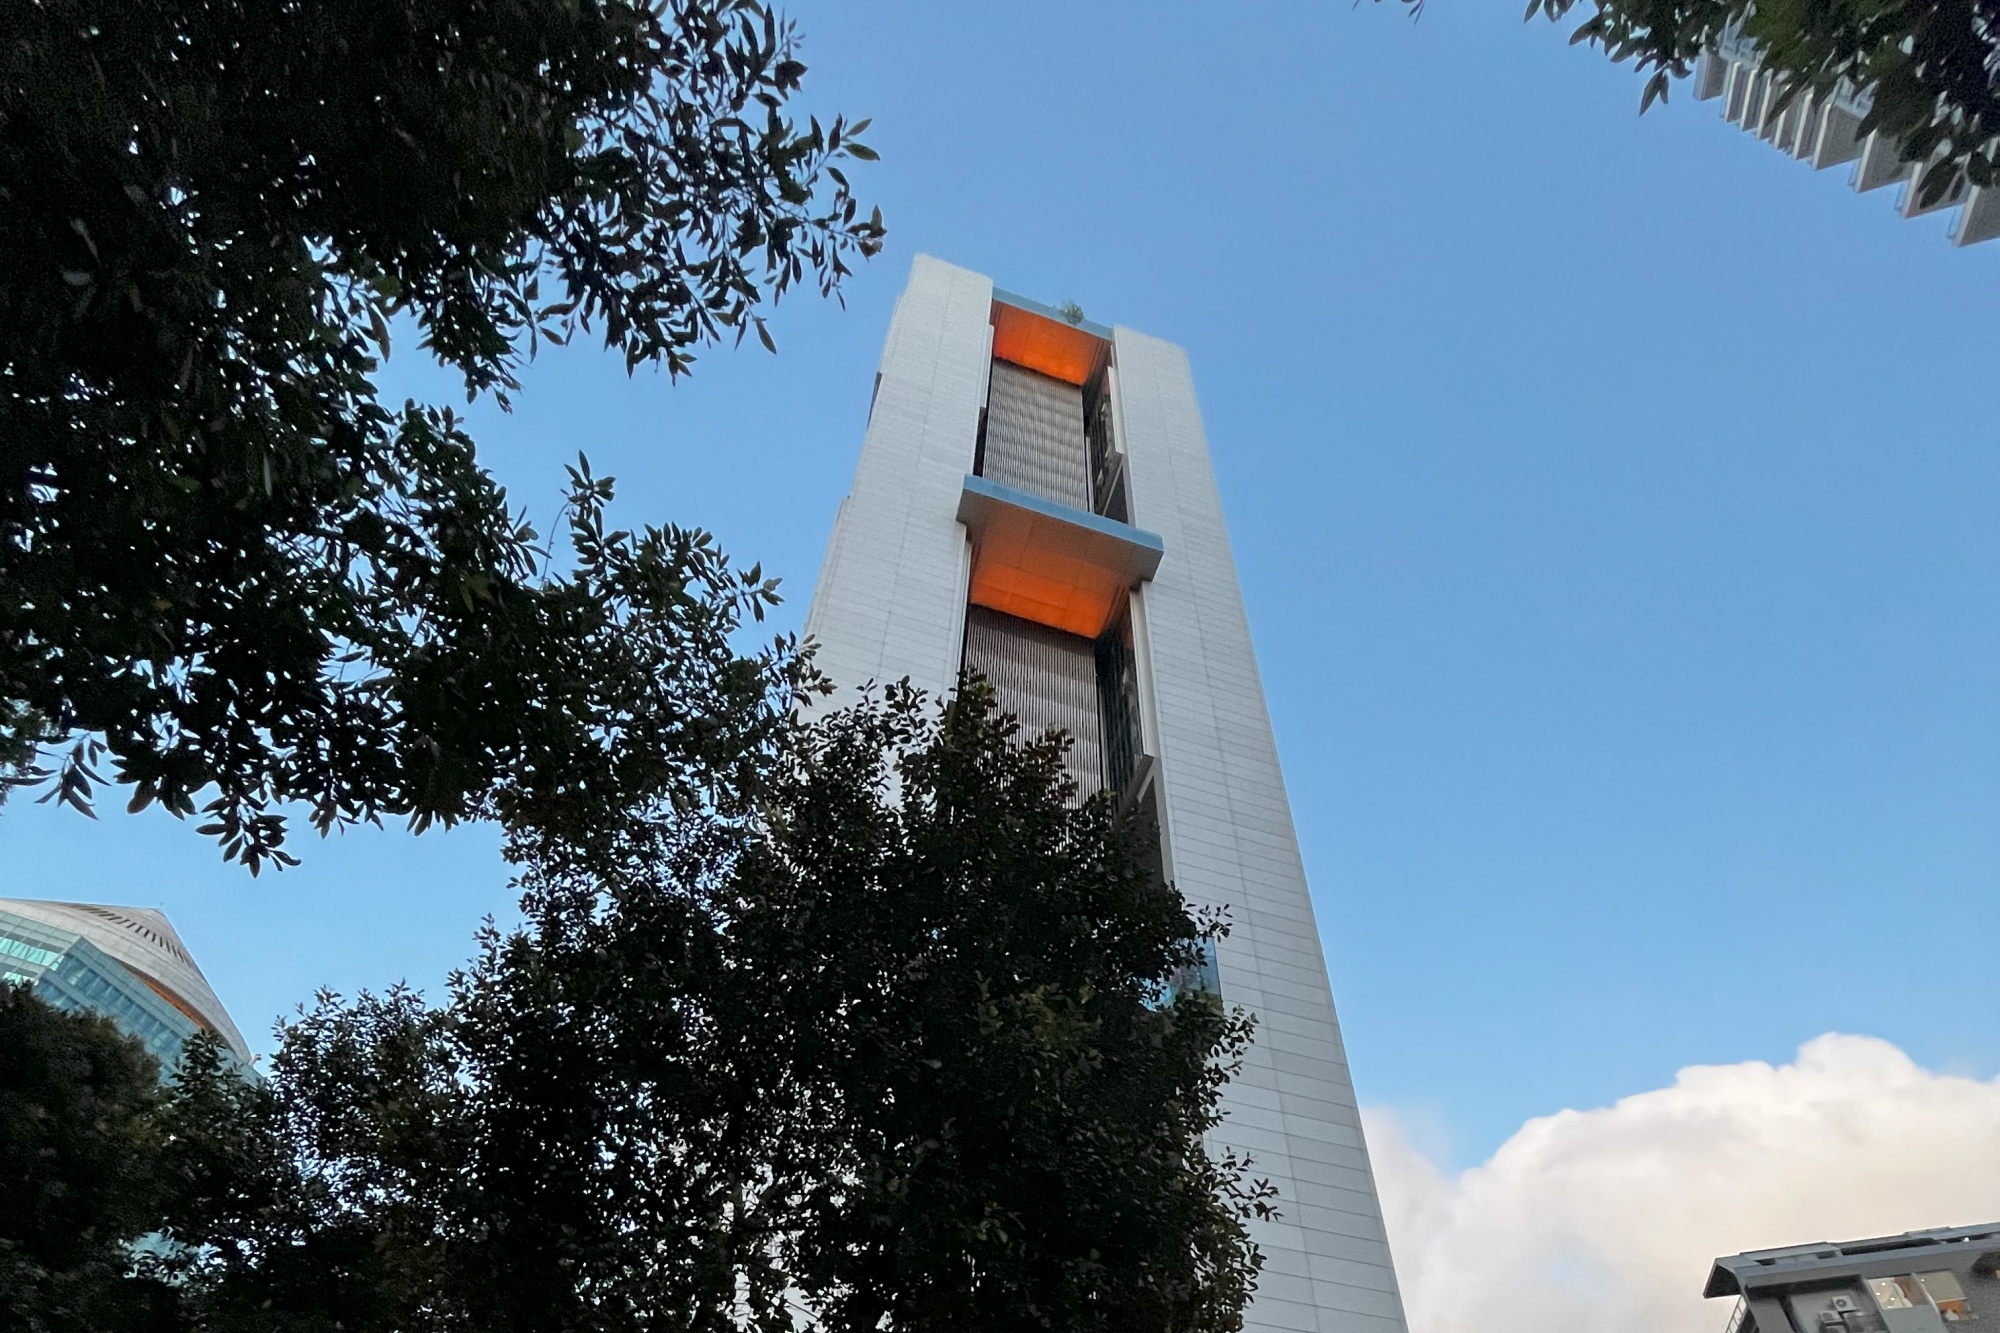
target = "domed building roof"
x: 143, y: 941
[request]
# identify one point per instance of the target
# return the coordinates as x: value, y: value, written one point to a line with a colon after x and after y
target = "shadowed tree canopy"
x: 890, y: 1048
x: 1931, y: 66
x: 75, y: 1148
x: 226, y: 563
x: 97, y: 1153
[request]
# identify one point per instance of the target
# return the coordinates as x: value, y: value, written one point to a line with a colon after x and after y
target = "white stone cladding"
x: 890, y: 604
x: 1229, y: 831
x: 891, y: 596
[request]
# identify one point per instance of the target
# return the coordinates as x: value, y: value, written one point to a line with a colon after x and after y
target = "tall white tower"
x: 1035, y: 500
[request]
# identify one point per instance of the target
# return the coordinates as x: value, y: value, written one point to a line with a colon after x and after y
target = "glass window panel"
x: 28, y: 952
x: 1946, y: 1294
x: 1889, y: 1293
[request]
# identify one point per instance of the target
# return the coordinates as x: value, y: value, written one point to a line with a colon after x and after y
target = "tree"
x: 888, y: 1047
x: 1929, y: 67
x: 978, y: 971
x: 223, y: 560
x: 97, y: 1154
x: 75, y: 1144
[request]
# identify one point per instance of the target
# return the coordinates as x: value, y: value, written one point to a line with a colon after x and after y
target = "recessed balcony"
x: 1048, y: 562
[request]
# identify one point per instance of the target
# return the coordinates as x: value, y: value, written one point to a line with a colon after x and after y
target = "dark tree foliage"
x: 1931, y: 66
x: 96, y: 1153
x: 981, y: 968
x: 886, y: 1048
x: 75, y: 1144
x: 223, y: 560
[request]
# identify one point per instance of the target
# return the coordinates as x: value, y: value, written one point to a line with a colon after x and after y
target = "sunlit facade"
x: 126, y: 963
x: 1035, y: 501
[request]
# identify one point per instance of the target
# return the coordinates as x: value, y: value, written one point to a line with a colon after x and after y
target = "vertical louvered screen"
x: 1047, y: 679
x: 1035, y: 436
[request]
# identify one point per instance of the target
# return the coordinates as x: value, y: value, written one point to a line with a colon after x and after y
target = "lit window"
x: 1945, y: 1294
x: 1895, y: 1293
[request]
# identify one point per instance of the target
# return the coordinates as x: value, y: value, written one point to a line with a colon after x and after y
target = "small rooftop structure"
x: 1918, y: 1282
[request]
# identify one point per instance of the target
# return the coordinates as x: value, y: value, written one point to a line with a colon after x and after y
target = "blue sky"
x: 1609, y: 492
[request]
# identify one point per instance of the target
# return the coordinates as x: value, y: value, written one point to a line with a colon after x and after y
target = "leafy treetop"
x: 223, y: 560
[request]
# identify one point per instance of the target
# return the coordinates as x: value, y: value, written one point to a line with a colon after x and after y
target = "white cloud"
x: 1605, y: 1221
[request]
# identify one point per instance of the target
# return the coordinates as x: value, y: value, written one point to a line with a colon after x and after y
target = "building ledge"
x: 1048, y: 562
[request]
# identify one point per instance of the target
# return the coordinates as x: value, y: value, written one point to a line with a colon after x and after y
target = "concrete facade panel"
x: 1228, y: 819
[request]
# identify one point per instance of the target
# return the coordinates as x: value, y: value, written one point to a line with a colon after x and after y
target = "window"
x: 1107, y: 461
x: 1118, y: 702
x: 1919, y: 1291
x: 1197, y: 977
x: 1946, y: 1295
x: 28, y: 952
x: 1894, y: 1293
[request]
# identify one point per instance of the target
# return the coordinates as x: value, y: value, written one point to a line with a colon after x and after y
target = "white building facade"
x: 1035, y: 500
